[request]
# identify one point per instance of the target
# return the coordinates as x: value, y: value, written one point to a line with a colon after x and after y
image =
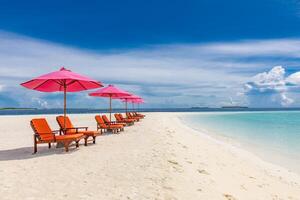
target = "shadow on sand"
x: 24, y: 153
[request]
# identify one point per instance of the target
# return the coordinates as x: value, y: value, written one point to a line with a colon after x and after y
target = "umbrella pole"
x: 110, y: 108
x: 126, y: 106
x: 61, y: 144
x: 65, y: 104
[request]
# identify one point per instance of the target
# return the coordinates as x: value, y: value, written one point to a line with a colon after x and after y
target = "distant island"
x: 234, y: 107
x: 11, y: 108
x: 196, y: 107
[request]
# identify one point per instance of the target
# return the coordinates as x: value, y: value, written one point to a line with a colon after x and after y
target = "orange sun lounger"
x: 44, y: 134
x: 126, y: 118
x: 130, y: 116
x: 120, y: 119
x: 106, y: 121
x: 102, y: 126
x: 138, y: 115
x: 70, y: 129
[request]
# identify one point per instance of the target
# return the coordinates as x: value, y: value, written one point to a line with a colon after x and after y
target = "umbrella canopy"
x: 138, y: 102
x: 131, y: 98
x: 62, y: 81
x: 111, y: 92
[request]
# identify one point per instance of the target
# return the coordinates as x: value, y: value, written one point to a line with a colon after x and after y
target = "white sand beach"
x: 158, y: 158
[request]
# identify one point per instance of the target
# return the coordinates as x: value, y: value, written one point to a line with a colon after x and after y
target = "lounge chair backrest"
x: 117, y: 117
x: 105, y: 119
x: 128, y: 115
x: 121, y: 116
x: 42, y: 129
x: 100, y: 121
x: 69, y: 126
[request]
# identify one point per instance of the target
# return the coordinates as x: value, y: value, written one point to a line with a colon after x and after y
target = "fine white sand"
x: 158, y: 158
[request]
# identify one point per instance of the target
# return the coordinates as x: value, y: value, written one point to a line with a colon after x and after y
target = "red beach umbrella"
x: 111, y: 92
x: 62, y: 81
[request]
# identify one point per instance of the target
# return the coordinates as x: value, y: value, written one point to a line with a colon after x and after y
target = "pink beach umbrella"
x: 62, y: 81
x: 111, y: 92
x: 136, y: 101
x: 131, y: 98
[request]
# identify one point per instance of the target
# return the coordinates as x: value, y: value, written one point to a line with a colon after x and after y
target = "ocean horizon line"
x: 44, y: 111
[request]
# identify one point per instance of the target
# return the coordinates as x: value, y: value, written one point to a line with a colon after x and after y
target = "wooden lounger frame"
x: 37, y: 140
x: 82, y: 130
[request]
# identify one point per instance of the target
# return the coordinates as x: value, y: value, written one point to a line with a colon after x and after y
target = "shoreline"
x: 158, y: 158
x: 270, y: 155
x: 234, y: 144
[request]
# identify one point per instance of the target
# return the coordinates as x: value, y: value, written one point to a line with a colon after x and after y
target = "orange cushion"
x: 72, y: 137
x: 89, y: 133
x: 42, y: 128
x: 68, y: 124
x: 115, y: 126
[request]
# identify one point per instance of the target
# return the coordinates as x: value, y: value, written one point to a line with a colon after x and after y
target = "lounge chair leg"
x: 49, y: 145
x: 94, y: 139
x: 34, y: 145
x: 66, y: 144
x: 77, y: 144
x: 85, y: 141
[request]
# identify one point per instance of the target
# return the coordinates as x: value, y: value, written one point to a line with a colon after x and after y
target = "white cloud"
x: 185, y: 74
x: 260, y: 48
x: 271, y: 88
x: 272, y: 80
x: 294, y: 78
x: 285, y: 101
x: 1, y: 87
x: 41, y: 103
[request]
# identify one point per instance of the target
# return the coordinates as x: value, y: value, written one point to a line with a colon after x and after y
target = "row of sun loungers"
x: 68, y: 133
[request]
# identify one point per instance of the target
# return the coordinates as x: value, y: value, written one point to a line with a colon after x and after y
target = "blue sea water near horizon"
x: 34, y: 111
x: 272, y: 135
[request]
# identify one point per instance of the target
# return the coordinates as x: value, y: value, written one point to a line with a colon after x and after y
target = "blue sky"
x: 173, y: 53
x: 134, y: 23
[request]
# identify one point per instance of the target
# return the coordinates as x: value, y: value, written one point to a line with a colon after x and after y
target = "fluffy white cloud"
x: 271, y: 88
x: 272, y: 80
x: 294, y: 78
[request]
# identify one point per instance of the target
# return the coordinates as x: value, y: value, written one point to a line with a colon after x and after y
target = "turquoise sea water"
x: 273, y: 136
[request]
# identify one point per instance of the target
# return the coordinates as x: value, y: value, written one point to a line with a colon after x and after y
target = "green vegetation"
x: 17, y: 108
